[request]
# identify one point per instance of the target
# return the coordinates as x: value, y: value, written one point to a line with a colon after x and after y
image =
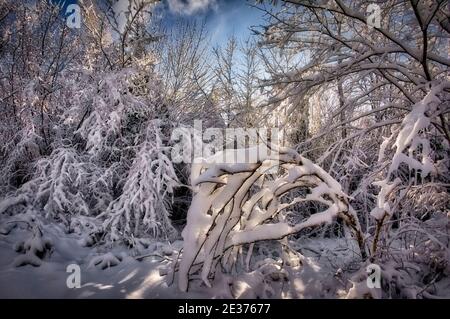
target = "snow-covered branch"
x: 239, y: 204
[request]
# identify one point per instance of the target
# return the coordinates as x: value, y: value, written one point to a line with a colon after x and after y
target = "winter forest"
x: 302, y: 153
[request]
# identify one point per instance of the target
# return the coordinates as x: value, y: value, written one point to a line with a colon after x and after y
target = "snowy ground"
x: 146, y: 277
x: 128, y: 279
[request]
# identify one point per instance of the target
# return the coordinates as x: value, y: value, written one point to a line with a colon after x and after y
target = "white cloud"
x: 190, y: 6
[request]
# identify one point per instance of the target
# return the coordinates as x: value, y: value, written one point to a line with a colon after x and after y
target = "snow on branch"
x: 64, y: 185
x: 145, y: 200
x: 237, y: 204
x: 412, y: 147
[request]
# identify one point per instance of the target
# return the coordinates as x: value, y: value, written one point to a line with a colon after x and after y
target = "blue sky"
x: 223, y: 18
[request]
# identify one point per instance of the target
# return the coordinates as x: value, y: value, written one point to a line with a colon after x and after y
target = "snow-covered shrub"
x: 144, y: 205
x: 111, y: 116
x: 129, y: 145
x: 100, y: 136
x: 65, y: 184
x: 19, y: 154
x: 239, y: 204
x: 110, y: 160
x: 413, y: 156
x: 34, y: 249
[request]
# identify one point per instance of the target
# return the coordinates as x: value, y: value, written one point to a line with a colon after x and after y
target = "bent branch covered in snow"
x: 238, y: 204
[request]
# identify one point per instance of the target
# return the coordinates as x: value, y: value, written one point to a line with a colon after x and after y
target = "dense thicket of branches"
x: 87, y: 117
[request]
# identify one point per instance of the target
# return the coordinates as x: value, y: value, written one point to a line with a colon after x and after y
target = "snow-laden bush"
x: 144, y: 205
x: 109, y: 159
x: 410, y: 238
x: 239, y: 204
x: 415, y: 160
x: 110, y: 117
x: 19, y: 153
x: 64, y: 184
x: 34, y: 249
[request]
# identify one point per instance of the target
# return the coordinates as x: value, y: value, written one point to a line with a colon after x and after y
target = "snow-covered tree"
x: 144, y: 205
